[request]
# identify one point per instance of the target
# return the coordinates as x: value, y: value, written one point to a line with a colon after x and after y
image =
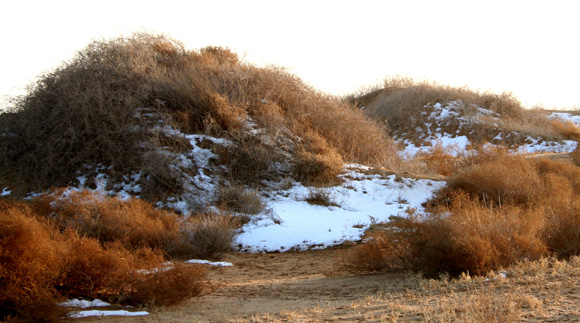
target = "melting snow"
x: 80, y: 314
x: 5, y: 191
x: 211, y: 263
x: 293, y: 223
x: 84, y: 304
x: 455, y: 145
x: 565, y: 116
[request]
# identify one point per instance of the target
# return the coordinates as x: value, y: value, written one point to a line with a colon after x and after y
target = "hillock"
x: 145, y: 116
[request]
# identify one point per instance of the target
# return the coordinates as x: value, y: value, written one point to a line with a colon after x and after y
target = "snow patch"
x: 79, y: 303
x: 5, y: 191
x: 211, y: 263
x: 81, y: 314
x: 362, y: 199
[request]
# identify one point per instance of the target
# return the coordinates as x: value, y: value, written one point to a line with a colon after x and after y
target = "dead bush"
x: 320, y: 196
x: 167, y: 287
x: 137, y: 224
x: 567, y: 129
x: 116, y: 274
x: 510, y: 178
x: 439, y: 160
x: 101, y: 272
x: 504, y: 179
x: 40, y: 266
x: 238, y: 199
x: 464, y: 237
x: 478, y: 238
x: 576, y: 156
x: 210, y: 235
x: 31, y: 258
x: 562, y: 230
x: 134, y: 222
x: 381, y: 250
x: 103, y: 108
x: 250, y: 160
x: 316, y: 161
x: 404, y: 103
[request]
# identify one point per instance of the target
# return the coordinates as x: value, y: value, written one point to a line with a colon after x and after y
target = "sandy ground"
x: 305, y: 287
x: 273, y: 286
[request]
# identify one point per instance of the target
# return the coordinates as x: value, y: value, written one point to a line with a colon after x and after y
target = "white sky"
x: 530, y: 48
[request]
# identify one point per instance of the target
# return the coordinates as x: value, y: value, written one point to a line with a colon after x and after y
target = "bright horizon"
x: 524, y: 47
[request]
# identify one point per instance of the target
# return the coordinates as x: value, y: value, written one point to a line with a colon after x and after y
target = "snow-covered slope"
x: 450, y: 127
x: 362, y: 199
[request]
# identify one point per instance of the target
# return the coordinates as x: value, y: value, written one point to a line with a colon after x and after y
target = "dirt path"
x: 303, y: 287
x: 272, y: 286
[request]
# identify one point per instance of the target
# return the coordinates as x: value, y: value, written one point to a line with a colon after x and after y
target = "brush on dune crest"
x: 124, y: 106
x: 421, y: 112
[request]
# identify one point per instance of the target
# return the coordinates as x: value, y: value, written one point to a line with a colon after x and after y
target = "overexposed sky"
x: 530, y: 48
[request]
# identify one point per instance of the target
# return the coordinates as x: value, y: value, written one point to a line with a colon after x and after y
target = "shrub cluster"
x: 81, y: 244
x: 499, y: 211
x: 137, y: 224
x: 401, y: 101
x: 103, y: 108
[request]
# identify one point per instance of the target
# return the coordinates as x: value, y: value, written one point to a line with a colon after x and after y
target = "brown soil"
x: 271, y: 285
x: 304, y: 287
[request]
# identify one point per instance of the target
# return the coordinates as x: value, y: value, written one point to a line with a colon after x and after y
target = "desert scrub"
x: 103, y: 108
x: 500, y: 210
x: 136, y: 224
x: 43, y: 265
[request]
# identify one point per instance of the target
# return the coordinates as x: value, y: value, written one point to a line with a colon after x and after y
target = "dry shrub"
x: 210, y: 235
x: 517, y: 179
x: 101, y: 272
x: 137, y: 277
x: 238, y: 199
x: 167, y: 287
x: 137, y: 224
x: 562, y: 230
x: 398, y: 97
x: 316, y: 161
x: 402, y: 102
x: 250, y: 160
x: 475, y: 238
x: 510, y: 178
x: 498, y: 211
x: 103, y: 108
x: 463, y: 237
x: 567, y: 129
x: 30, y: 265
x: 320, y: 196
x: 439, y: 160
x: 576, y: 156
x: 40, y: 265
x: 382, y: 250
x: 134, y: 222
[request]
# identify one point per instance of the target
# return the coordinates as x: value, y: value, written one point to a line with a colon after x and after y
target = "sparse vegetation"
x: 238, y: 199
x: 321, y: 196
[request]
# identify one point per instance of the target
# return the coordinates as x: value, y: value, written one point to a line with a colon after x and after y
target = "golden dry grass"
x: 540, y: 291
